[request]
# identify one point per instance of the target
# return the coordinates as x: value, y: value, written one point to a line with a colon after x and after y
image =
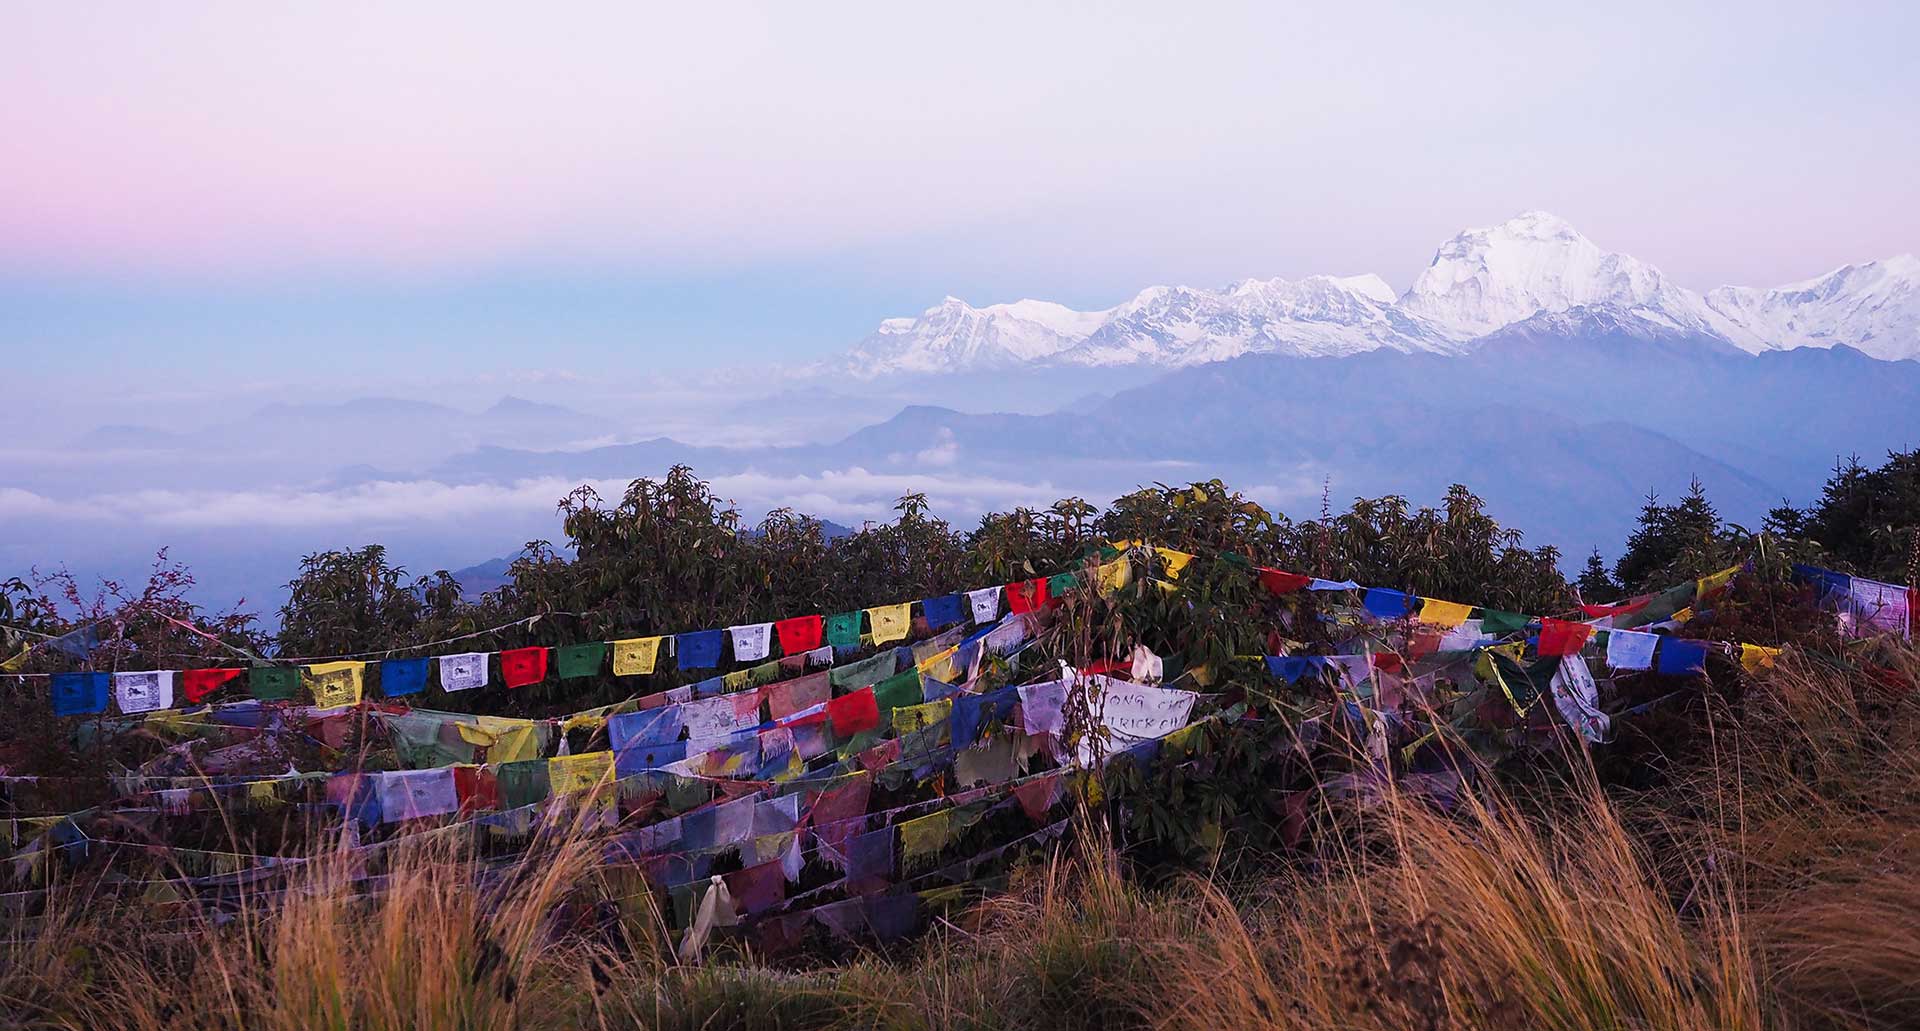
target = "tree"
x: 1674, y: 543
x: 1596, y: 585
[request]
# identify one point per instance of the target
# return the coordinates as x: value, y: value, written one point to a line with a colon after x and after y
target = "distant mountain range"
x: 1482, y: 281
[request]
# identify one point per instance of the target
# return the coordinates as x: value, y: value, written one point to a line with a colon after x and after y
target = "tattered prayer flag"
x: 1679, y: 657
x: 1384, y: 603
x: 972, y: 712
x: 635, y: 656
x: 143, y: 692
x: 1578, y: 699
x: 1559, y: 637
x: 1026, y: 595
x: 76, y: 694
x: 403, y: 677
x: 699, y: 649
x: 522, y: 666
x: 985, y: 604
x: 751, y: 642
x: 852, y: 713
x: 1630, y: 649
x: 197, y: 684
x: 1282, y: 582
x: 1037, y: 797
x: 943, y: 611
x: 1116, y: 575
x: 1495, y: 621
x: 335, y: 683
x: 870, y: 862
x: 1041, y: 707
x: 523, y: 783
x: 1444, y: 613
x: 1754, y: 658
x: 799, y: 634
x: 464, y: 671
x: 574, y: 661
x: 1175, y: 561
x: 921, y: 839
x: 790, y: 696
x: 890, y: 622
x: 273, y: 683
x: 866, y: 672
x: 843, y: 629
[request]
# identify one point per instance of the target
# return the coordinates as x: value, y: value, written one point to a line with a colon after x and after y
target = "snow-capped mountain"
x: 1533, y: 269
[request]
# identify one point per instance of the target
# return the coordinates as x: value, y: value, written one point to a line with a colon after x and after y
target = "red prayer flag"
x: 1282, y: 582
x: 853, y: 713
x: 522, y: 666
x: 1560, y: 637
x: 197, y: 684
x: 1618, y: 608
x: 476, y: 788
x: 799, y: 634
x: 1027, y: 595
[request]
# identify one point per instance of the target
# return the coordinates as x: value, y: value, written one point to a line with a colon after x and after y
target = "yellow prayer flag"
x: 924, y: 837
x: 1684, y: 615
x: 1754, y: 657
x: 635, y: 656
x: 940, y: 665
x: 736, y: 680
x: 909, y: 718
x: 1115, y: 575
x: 1176, y: 561
x: 261, y: 793
x: 1443, y: 613
x: 1712, y: 582
x: 335, y: 683
x: 890, y: 622
x: 17, y: 661
x: 1126, y: 545
x: 570, y: 773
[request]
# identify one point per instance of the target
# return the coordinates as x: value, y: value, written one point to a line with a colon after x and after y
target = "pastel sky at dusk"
x: 213, y: 193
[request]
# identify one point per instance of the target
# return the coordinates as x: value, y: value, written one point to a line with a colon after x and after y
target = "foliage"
x: 1674, y: 543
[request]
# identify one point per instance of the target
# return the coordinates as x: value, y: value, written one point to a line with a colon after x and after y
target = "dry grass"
x: 1777, y: 886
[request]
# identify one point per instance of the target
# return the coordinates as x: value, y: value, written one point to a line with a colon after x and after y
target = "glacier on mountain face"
x: 1478, y: 283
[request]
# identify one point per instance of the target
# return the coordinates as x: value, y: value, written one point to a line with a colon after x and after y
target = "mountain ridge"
x: 1479, y: 283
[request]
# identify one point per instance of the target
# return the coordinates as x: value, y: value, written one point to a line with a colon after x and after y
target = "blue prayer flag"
x: 640, y: 758
x: 1291, y: 668
x: 972, y: 711
x: 76, y: 694
x: 942, y: 611
x: 403, y: 677
x: 699, y: 649
x: 1388, y: 604
x: 647, y: 727
x: 1682, y: 657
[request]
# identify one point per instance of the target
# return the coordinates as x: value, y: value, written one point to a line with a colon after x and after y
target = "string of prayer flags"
x: 463, y: 671
x: 1026, y: 595
x: 522, y: 666
x: 198, y: 684
x: 890, y: 622
x: 1754, y: 657
x: 1279, y: 581
x: 1559, y: 637
x: 1439, y: 613
x: 941, y: 612
x: 336, y: 683
x: 78, y: 694
x: 799, y: 634
x: 273, y: 683
x: 1678, y: 657
x: 1384, y: 603
x: 143, y: 692
x: 985, y: 604
x: 1630, y: 649
x: 751, y: 642
x: 635, y: 656
x: 698, y: 649
x: 573, y: 661
x: 843, y: 629
x: 403, y: 677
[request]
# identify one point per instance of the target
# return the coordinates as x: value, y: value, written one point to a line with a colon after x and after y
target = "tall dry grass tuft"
x: 1484, y: 919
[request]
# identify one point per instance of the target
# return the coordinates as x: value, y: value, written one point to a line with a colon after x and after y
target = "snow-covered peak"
x: 1486, y: 278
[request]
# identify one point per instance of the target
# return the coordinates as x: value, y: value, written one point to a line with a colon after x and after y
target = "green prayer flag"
x: 523, y: 783
x: 856, y: 675
x: 765, y: 673
x: 1494, y: 621
x: 273, y: 683
x: 581, y: 660
x: 1060, y: 583
x: 898, y: 690
x: 843, y: 629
